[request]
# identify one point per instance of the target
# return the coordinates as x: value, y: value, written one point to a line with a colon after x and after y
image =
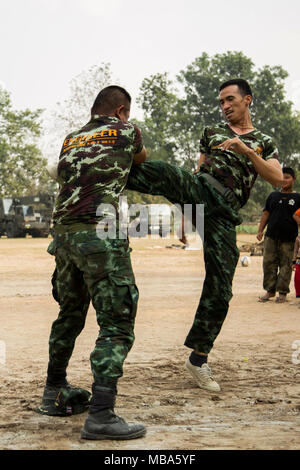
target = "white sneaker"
x: 203, y: 376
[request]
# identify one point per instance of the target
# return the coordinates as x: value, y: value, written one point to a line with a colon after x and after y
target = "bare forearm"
x: 140, y: 157
x: 263, y: 221
x: 269, y: 172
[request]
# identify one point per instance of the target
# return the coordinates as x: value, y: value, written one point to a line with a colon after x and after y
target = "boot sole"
x: 101, y: 437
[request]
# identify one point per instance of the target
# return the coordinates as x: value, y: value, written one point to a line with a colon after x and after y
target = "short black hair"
x: 109, y: 98
x: 242, y: 84
x: 289, y: 171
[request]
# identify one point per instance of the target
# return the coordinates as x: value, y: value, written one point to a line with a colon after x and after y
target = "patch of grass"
x: 247, y: 229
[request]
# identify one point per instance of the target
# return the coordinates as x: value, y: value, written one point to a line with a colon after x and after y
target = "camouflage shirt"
x: 232, y: 170
x: 93, y: 168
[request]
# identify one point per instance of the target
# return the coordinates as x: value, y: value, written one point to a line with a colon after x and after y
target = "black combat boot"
x: 60, y: 398
x: 56, y: 379
x: 103, y: 423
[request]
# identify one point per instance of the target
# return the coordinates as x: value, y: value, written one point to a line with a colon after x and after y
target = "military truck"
x: 24, y: 215
x: 152, y: 219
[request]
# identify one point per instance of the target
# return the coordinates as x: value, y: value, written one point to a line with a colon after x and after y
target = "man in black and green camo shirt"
x: 232, y: 155
x: 92, y: 172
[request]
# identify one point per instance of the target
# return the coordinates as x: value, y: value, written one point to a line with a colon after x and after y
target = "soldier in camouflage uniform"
x: 92, y: 172
x: 232, y: 155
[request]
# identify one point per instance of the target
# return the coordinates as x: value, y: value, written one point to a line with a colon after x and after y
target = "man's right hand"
x: 140, y: 157
x: 260, y: 235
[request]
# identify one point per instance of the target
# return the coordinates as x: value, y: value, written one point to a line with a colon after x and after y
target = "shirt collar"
x: 98, y: 117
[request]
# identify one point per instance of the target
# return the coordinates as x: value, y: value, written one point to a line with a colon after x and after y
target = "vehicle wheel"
x: 35, y: 234
x: 39, y: 235
x: 21, y: 235
x: 10, y: 230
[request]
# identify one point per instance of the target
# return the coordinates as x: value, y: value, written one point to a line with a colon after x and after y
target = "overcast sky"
x: 46, y: 43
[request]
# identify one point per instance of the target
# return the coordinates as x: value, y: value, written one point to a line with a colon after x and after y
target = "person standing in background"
x: 280, y: 236
x: 296, y: 258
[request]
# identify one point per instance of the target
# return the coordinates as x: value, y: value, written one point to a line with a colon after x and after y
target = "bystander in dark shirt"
x: 281, y: 225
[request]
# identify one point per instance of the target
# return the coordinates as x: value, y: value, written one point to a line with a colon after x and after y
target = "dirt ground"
x: 258, y: 407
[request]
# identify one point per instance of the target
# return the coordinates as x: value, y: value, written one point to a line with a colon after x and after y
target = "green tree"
x: 190, y: 102
x: 74, y: 111
x: 176, y: 112
x: 297, y: 183
x: 199, y: 105
x: 157, y: 98
x: 271, y: 112
x: 21, y: 163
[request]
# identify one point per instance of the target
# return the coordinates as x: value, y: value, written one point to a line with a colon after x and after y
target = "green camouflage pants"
x: 88, y: 268
x: 220, y: 252
x: 277, y: 265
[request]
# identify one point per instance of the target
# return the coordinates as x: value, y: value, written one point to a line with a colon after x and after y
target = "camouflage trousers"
x: 220, y: 252
x: 100, y: 271
x: 277, y: 265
